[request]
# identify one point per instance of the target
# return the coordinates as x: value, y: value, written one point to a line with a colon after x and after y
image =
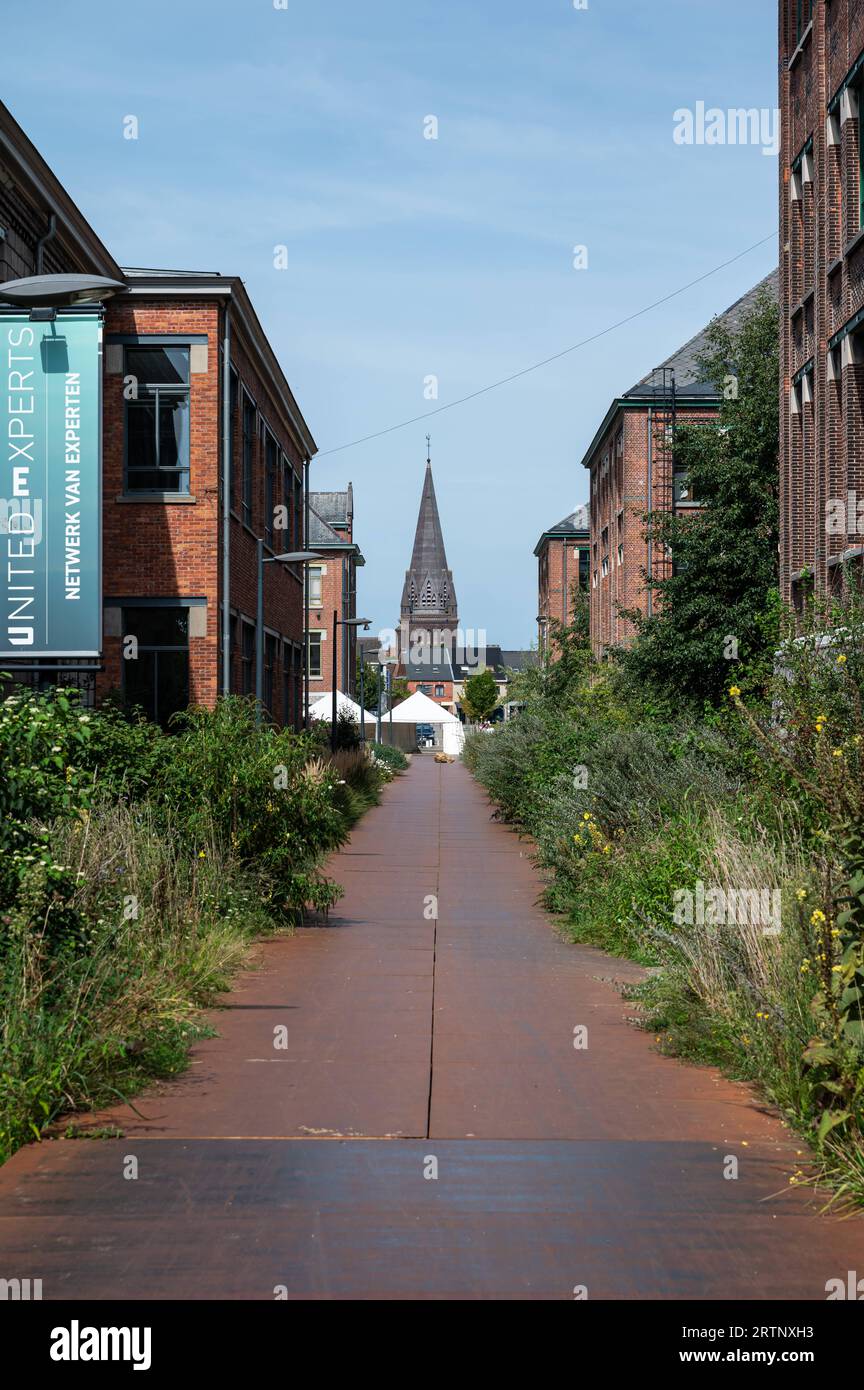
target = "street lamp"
x: 340, y: 622
x: 291, y: 557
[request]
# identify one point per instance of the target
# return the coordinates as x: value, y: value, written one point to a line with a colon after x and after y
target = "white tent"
x: 321, y: 706
x: 419, y: 709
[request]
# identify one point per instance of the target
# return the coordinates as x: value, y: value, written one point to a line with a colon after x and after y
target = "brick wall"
x: 165, y: 549
x: 621, y: 494
x: 822, y: 287
x: 557, y: 572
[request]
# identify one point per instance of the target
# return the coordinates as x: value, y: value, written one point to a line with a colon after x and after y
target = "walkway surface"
x: 413, y: 1045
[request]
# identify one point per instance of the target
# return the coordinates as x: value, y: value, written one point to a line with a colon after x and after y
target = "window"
x: 233, y: 401
x: 269, y: 670
x: 683, y: 495
x: 292, y: 683
x: 314, y: 654
x: 604, y: 566
x: 249, y: 415
x: 157, y: 419
x: 620, y: 554
x: 316, y: 574
x: 247, y: 659
x: 271, y: 456
x: 584, y: 567
x: 439, y: 691
x: 156, y: 678
x: 803, y: 16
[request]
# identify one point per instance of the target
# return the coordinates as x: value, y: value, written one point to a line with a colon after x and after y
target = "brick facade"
x: 631, y: 462
x: 332, y: 536
x: 563, y: 561
x: 170, y: 547
x: 822, y: 297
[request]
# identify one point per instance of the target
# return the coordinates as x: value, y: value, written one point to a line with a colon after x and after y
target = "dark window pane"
x: 173, y: 432
x: 158, y: 366
x: 157, y: 627
x: 139, y: 682
x: 150, y: 480
x: 172, y: 685
x: 141, y: 434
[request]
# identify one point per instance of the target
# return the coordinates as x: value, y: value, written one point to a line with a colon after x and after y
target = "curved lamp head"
x: 59, y: 291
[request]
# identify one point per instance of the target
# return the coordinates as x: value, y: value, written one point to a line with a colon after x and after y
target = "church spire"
x: 428, y: 594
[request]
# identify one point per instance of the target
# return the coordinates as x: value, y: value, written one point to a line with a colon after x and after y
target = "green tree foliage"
x: 481, y: 696
x: 372, y: 683
x: 719, y: 601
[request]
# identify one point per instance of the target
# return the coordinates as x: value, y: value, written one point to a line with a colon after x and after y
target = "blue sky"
x: 410, y: 257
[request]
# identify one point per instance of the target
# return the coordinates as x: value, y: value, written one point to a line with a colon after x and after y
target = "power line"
x: 505, y: 381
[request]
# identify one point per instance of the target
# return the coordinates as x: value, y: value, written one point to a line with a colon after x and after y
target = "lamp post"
x: 362, y: 707
x: 337, y: 623
x: 291, y: 557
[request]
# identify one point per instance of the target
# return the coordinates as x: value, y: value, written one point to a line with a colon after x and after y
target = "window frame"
x: 156, y: 390
x: 318, y: 646
x: 154, y: 649
x: 247, y: 492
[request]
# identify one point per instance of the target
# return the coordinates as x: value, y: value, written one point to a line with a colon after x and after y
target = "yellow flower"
x: 835, y: 931
x: 817, y: 917
x: 801, y: 894
x: 837, y: 752
x: 841, y: 660
x: 836, y: 967
x: 586, y: 815
x: 606, y: 849
x: 201, y: 854
x: 734, y: 691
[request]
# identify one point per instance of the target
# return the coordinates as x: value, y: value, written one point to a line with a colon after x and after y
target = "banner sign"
x: 50, y: 486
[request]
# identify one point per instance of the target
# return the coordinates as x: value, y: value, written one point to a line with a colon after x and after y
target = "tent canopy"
x: 419, y: 709
x: 321, y: 707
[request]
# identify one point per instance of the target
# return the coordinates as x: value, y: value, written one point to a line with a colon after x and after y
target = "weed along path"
x: 394, y: 1107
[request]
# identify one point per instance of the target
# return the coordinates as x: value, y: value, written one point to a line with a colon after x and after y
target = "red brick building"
x: 192, y: 395
x: 332, y: 589
x: 821, y: 297
x: 631, y: 461
x: 563, y: 561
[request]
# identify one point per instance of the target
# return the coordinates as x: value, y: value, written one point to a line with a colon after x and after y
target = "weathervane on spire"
x: 429, y: 449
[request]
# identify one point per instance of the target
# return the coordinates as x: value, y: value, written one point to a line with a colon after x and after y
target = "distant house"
x: 563, y: 560
x: 503, y: 663
x: 332, y: 588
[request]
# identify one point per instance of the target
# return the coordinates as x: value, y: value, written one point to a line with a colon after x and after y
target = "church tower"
x: 428, y: 595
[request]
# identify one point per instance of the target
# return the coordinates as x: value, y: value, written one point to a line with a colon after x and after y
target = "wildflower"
x: 836, y: 967
x: 835, y: 931
x: 805, y: 967
x: 586, y: 815
x: 734, y: 691
x: 817, y: 917
x: 801, y: 894
x: 841, y: 660
x: 837, y: 752
x: 201, y: 854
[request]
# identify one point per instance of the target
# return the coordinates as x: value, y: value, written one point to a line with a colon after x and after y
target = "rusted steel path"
x: 412, y: 1044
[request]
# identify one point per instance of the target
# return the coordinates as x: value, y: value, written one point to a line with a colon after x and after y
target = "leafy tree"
x: 372, y: 682
x: 715, y: 617
x: 481, y: 696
